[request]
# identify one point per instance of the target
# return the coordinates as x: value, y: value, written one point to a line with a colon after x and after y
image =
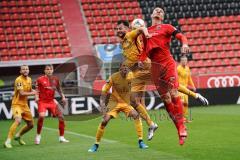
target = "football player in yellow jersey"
x: 20, y: 109
x: 185, y: 80
x: 119, y: 101
x: 132, y: 48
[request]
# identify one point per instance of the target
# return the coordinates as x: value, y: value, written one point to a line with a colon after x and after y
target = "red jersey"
x: 47, y: 87
x: 157, y: 47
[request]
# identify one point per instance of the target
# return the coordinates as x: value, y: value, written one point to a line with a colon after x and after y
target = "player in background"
x: 132, y: 49
x: 185, y: 81
x: 119, y: 101
x: 20, y: 108
x: 46, y: 85
x: 163, y: 69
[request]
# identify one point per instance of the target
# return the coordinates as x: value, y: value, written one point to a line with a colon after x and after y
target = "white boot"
x: 37, y: 139
x: 63, y: 140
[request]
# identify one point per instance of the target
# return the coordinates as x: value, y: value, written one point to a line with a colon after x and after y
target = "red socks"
x: 61, y: 126
x: 175, y: 111
x: 39, y: 125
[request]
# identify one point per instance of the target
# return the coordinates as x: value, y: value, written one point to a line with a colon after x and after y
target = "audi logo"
x: 223, y: 81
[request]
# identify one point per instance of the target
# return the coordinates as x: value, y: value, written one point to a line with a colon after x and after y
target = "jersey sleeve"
x: 178, y: 70
x: 133, y: 34
x: 107, y: 86
x: 190, y: 81
x: 31, y: 83
x: 171, y: 30
x: 18, y: 84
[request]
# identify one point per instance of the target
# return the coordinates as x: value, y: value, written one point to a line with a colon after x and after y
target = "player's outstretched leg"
x: 176, y: 114
x: 11, y: 132
x: 179, y: 118
x: 141, y: 109
x: 100, y: 132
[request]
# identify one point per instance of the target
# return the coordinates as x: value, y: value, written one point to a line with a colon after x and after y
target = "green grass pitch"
x: 213, y: 134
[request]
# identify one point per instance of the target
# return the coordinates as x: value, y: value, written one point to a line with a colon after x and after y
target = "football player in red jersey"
x: 46, y: 85
x: 164, y: 71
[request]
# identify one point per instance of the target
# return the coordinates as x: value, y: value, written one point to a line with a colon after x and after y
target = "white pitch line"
x: 82, y: 135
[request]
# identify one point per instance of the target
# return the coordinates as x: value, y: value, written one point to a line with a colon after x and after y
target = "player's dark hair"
x: 124, y: 22
x: 48, y: 65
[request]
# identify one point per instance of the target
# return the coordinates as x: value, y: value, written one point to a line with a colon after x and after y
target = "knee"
x: 166, y: 98
x: 18, y: 121
x: 134, y: 114
x: 105, y: 121
x: 30, y: 125
x: 174, y: 92
x: 60, y: 118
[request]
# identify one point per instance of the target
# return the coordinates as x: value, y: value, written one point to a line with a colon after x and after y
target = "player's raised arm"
x: 144, y: 30
x: 185, y: 48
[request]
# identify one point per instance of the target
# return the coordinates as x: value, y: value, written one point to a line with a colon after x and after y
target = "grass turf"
x: 213, y: 134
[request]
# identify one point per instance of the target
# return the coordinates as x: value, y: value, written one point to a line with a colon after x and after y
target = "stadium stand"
x: 102, y: 15
x: 212, y: 27
x: 32, y: 30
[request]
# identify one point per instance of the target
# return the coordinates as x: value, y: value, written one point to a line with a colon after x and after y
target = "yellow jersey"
x: 132, y: 46
x: 121, y: 87
x: 184, y: 76
x: 21, y: 83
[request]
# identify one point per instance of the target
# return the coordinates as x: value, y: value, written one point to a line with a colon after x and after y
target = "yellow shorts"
x: 22, y: 111
x: 141, y: 77
x: 114, y: 108
x: 184, y: 98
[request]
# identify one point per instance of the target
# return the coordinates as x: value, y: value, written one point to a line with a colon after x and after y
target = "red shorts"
x: 164, y: 76
x: 50, y: 106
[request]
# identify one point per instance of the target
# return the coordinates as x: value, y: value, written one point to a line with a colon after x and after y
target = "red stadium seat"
x: 217, y: 62
x: 220, y: 69
x: 12, y: 44
x: 109, y: 26
x: 56, y: 42
x: 112, y: 12
x: 111, y: 33
x: 235, y: 61
x: 64, y: 42
x: 225, y: 62
x: 31, y: 51
x: 213, y: 55
x: 202, y: 71
x: 211, y: 70
x: 182, y: 21
x: 66, y: 49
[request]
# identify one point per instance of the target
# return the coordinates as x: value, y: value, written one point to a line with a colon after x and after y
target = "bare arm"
x: 144, y: 30
x: 23, y: 93
x: 60, y: 91
x: 185, y: 48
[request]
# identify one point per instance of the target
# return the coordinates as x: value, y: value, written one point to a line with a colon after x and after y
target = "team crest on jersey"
x: 19, y: 84
x: 158, y: 27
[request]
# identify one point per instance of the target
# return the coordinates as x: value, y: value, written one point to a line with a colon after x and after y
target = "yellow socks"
x: 12, y: 130
x: 139, y: 127
x: 99, y: 134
